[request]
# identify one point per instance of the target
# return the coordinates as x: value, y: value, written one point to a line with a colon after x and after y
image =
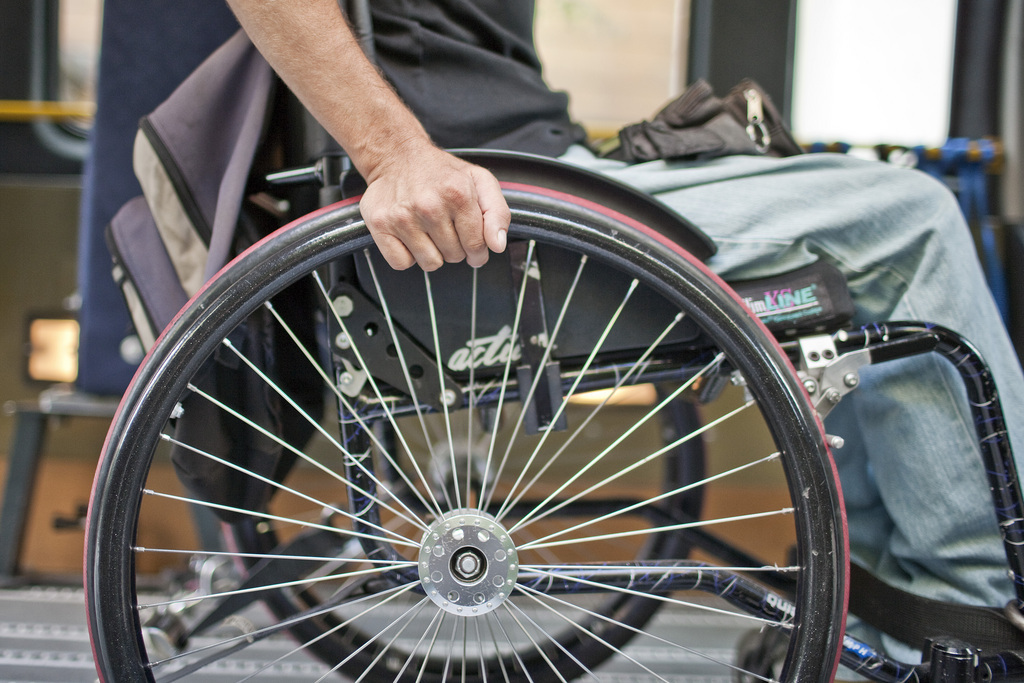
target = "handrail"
x: 32, y: 110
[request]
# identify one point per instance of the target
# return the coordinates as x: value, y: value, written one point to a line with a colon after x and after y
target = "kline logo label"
x: 486, y: 351
x: 786, y: 302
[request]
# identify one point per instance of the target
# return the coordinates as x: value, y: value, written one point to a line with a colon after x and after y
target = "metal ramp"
x: 44, y: 639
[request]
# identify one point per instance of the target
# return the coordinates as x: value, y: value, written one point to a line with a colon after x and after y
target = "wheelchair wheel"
x: 508, y: 480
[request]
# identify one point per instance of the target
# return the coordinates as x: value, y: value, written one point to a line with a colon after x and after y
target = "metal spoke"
x: 626, y: 470
x: 540, y: 651
x: 268, y: 556
x: 408, y: 622
x: 451, y: 650
x: 470, y: 392
x: 525, y: 402
x: 401, y: 619
x: 334, y: 629
x: 430, y: 647
x: 537, y: 595
x: 622, y: 437
x: 444, y: 394
x: 405, y: 373
x: 652, y: 596
x: 550, y: 637
x: 515, y: 650
x: 416, y: 521
x: 480, y: 650
x: 511, y: 501
x: 267, y: 515
x: 246, y: 639
x: 312, y: 422
x: 655, y: 499
x: 583, y: 371
x: 389, y: 415
x: 282, y: 487
x: 193, y: 598
x: 650, y: 569
x: 485, y: 495
x: 658, y: 530
x: 260, y: 556
x: 438, y: 615
x: 497, y: 647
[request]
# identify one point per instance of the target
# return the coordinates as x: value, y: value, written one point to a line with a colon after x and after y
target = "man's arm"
x: 422, y: 205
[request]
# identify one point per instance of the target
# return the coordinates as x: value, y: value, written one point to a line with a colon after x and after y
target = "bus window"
x: 77, y: 57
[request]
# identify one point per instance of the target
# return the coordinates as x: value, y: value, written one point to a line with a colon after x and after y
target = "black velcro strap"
x: 913, y: 619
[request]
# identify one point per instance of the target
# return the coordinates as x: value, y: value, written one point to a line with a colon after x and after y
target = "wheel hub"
x: 467, y: 563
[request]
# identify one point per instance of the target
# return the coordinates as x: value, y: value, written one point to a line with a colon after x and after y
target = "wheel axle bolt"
x: 467, y: 565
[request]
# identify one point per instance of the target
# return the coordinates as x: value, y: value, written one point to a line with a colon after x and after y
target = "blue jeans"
x: 920, y: 512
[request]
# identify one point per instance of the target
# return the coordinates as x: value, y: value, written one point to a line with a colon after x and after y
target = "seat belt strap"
x: 913, y: 619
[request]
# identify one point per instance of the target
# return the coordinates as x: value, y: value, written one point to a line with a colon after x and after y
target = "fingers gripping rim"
x: 317, y: 239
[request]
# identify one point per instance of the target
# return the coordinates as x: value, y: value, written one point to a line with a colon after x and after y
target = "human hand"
x: 428, y: 207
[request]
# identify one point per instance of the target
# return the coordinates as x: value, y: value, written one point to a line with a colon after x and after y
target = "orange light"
x: 53, y: 350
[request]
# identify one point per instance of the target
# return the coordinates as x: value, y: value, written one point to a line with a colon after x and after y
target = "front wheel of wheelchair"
x: 584, y: 460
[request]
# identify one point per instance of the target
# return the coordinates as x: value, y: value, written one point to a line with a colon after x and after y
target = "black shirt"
x: 469, y: 70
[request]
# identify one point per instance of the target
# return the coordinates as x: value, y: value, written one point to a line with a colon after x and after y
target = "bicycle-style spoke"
x: 236, y: 554
x: 515, y: 651
x: 584, y: 582
x: 646, y: 634
x: 446, y: 398
x: 497, y: 647
x: 281, y: 487
x: 313, y: 422
x: 452, y: 640
x: 410, y: 613
x: 508, y: 609
x: 346, y: 404
x: 471, y: 394
x: 406, y: 620
x: 246, y: 640
x: 194, y: 598
x: 513, y: 608
x: 653, y: 570
x: 590, y: 359
x: 536, y: 512
x: 551, y: 344
x: 532, y: 518
x: 414, y: 519
x: 647, y: 532
x: 389, y: 415
x: 268, y: 516
x: 433, y: 642
x: 537, y: 543
x: 485, y: 495
x: 588, y: 632
x: 514, y: 497
x: 400, y: 352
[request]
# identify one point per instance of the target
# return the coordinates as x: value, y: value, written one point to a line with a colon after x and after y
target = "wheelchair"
x: 526, y: 471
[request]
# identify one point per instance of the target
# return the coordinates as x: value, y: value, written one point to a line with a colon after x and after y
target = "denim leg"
x: 920, y: 511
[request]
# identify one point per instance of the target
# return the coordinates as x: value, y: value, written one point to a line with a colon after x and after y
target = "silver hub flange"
x: 467, y: 563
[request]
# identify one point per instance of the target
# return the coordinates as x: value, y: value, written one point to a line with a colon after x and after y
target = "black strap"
x: 913, y: 619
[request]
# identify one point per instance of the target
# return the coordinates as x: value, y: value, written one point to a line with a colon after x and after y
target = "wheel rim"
x: 111, y: 562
